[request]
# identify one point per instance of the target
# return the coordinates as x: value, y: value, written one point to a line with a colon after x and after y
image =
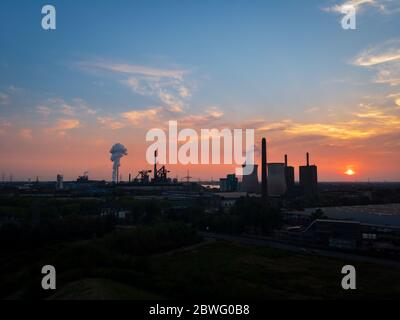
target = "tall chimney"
x: 155, y: 165
x: 264, y: 182
x: 130, y: 178
x: 308, y: 159
x: 286, y: 160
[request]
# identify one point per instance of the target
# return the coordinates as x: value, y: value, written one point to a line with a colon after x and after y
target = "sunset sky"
x: 115, y: 69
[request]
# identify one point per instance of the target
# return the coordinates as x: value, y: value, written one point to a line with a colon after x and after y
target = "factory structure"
x: 250, y: 183
x: 309, y: 178
x: 157, y: 176
x: 277, y: 179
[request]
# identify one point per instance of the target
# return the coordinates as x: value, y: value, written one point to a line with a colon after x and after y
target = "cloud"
x: 388, y: 51
x: 211, y: 116
x: 389, y: 74
x: 215, y: 112
x: 43, y: 110
x: 62, y: 126
x: 275, y: 126
x: 159, y: 117
x: 4, y: 98
x: 367, y: 122
x: 172, y: 92
x: 175, y: 104
x: 84, y: 107
x: 344, y: 130
x: 382, y: 6
x: 136, y: 117
x: 4, y: 125
x: 167, y: 85
x: 111, y: 123
x: 312, y: 110
x: 67, y: 109
x: 26, y: 134
x: 59, y: 106
x: 67, y: 124
x: 384, y: 60
x: 136, y: 70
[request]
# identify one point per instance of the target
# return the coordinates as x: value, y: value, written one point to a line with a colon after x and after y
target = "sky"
x: 112, y: 70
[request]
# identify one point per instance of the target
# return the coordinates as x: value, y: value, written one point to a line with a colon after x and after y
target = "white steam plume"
x: 118, y: 151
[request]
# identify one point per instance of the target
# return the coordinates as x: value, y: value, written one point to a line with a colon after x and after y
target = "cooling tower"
x: 250, y: 182
x: 276, y: 179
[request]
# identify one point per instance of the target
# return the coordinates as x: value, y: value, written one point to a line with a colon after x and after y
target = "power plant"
x: 289, y: 174
x: 309, y: 178
x: 276, y: 179
x: 250, y: 183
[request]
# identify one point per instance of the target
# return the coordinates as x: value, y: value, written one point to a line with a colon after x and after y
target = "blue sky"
x: 264, y: 62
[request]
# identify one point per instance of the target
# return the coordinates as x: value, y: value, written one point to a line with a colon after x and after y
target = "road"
x: 302, y: 250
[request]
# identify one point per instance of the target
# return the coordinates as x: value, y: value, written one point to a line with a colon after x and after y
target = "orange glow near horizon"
x: 350, y: 172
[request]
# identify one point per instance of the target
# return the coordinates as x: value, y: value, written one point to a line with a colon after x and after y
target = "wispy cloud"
x: 59, y: 106
x: 138, y: 118
x: 62, y: 126
x: 26, y: 134
x: 43, y: 111
x: 111, y: 123
x: 136, y: 69
x: 311, y: 110
x: 206, y: 120
x: 339, y: 7
x: 367, y: 122
x: 382, y: 6
x: 384, y: 60
x: 386, y: 52
x: 159, y: 117
x: 168, y: 85
x: 135, y: 117
x: 4, y: 98
x: 4, y: 125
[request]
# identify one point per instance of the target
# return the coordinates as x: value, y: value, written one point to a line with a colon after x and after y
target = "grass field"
x: 223, y: 270
x: 101, y: 289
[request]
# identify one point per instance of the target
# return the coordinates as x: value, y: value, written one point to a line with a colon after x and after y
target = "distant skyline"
x: 115, y: 69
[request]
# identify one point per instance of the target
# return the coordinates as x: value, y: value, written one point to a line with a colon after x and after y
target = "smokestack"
x: 264, y: 182
x: 155, y: 165
x: 308, y: 159
x: 286, y: 160
x: 130, y: 178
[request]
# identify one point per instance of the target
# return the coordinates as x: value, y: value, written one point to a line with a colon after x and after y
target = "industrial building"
x: 229, y: 184
x: 289, y: 174
x: 334, y: 233
x: 250, y: 183
x: 60, y: 182
x: 276, y: 179
x: 309, y: 178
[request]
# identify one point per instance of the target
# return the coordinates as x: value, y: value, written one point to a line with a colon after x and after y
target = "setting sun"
x: 350, y: 172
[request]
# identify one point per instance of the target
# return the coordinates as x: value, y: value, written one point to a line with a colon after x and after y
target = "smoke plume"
x: 118, y: 151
